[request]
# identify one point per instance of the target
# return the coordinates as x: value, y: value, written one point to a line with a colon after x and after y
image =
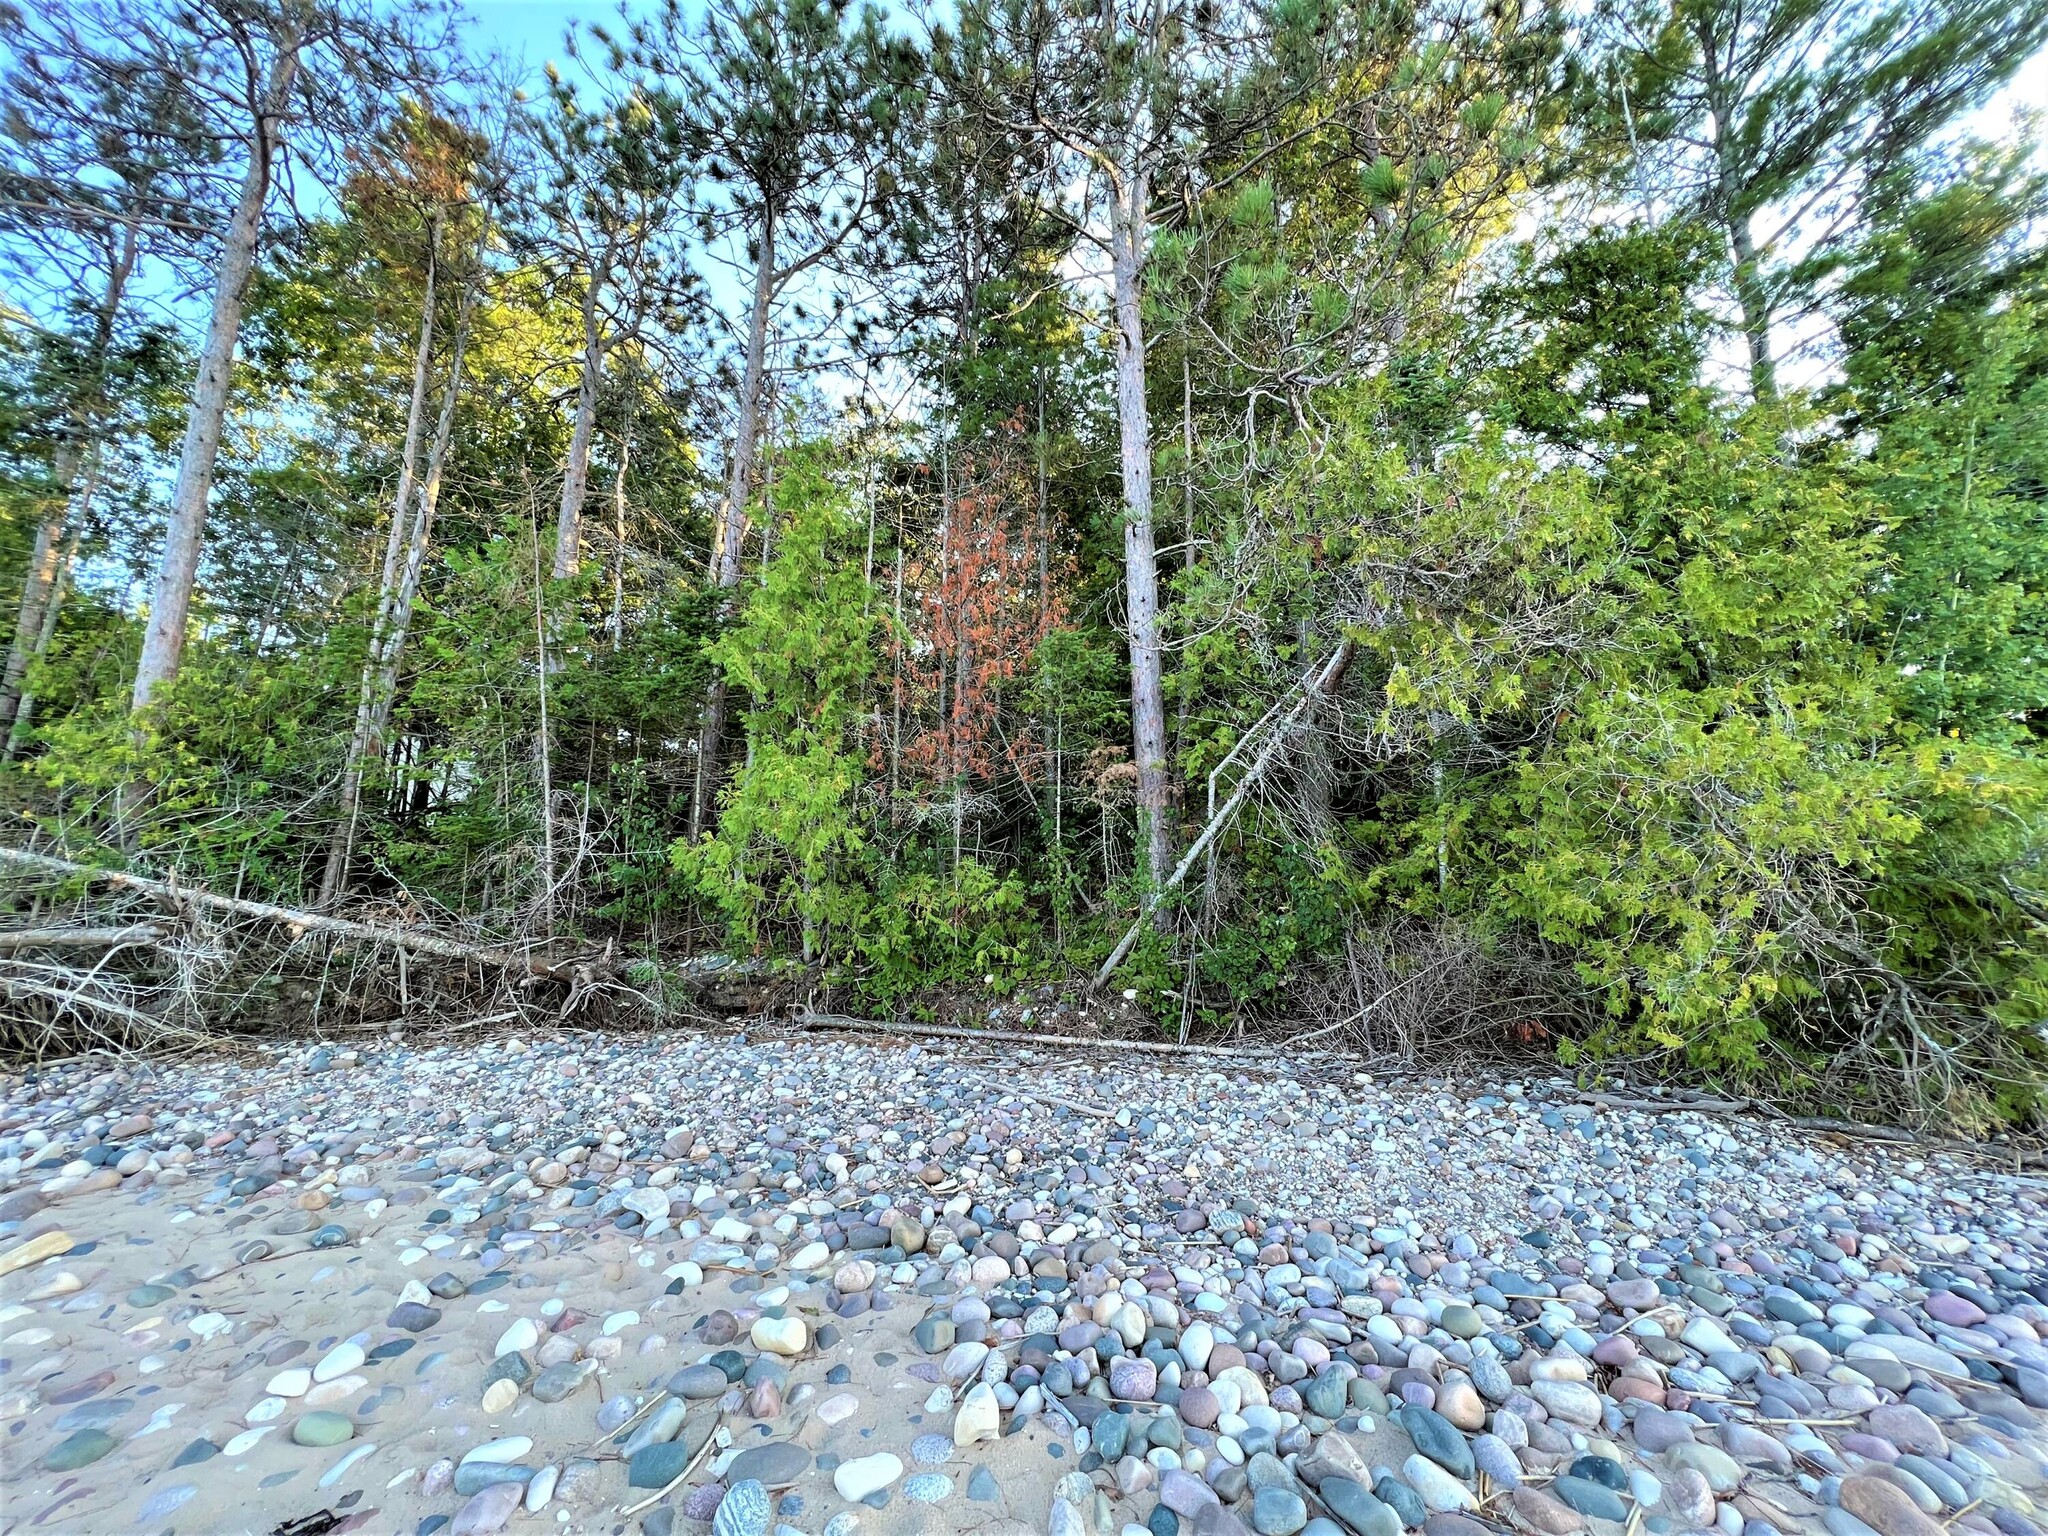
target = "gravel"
x: 755, y: 1284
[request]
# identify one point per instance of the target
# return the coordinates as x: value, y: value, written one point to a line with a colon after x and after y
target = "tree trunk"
x: 1730, y: 196
x: 39, y: 584
x: 53, y: 608
x: 415, y: 419
x: 618, y: 621
x: 732, y: 523
x: 380, y: 683
x: 543, y: 757
x: 334, y: 876
x: 1127, y: 236
x: 1322, y: 685
x: 576, y: 475
x: 1751, y: 294
x: 170, y: 606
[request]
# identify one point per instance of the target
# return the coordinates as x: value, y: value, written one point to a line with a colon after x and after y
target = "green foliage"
x: 789, y: 839
x: 1947, y: 323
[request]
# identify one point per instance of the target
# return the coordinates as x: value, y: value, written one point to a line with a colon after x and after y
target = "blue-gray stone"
x: 1326, y: 1395
x: 1604, y: 1470
x: 1401, y: 1499
x: 774, y: 1465
x: 982, y: 1486
x: 475, y: 1476
x: 1491, y: 1455
x: 658, y: 1465
x: 744, y: 1510
x: 1589, y: 1498
x: 198, y: 1451
x: 1278, y: 1512
x: 1361, y: 1513
x: 1437, y: 1438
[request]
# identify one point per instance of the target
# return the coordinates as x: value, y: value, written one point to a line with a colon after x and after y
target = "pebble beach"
x: 767, y: 1285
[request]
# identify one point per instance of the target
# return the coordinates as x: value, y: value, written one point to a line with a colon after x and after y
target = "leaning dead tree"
x: 1278, y: 729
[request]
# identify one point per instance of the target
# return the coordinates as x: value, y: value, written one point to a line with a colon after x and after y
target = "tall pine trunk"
x: 576, y: 475
x: 170, y: 606
x: 1754, y: 298
x: 1129, y: 216
x: 380, y: 679
x: 732, y: 523
x: 618, y: 619
x: 334, y: 877
x: 1731, y: 199
x: 408, y: 453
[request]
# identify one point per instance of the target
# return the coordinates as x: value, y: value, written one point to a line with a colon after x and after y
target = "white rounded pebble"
x: 780, y: 1335
x: 855, y: 1480
x: 542, y: 1488
x: 339, y: 1361
x: 242, y: 1443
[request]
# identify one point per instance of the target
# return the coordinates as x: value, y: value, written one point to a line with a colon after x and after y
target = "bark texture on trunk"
x: 1754, y: 298
x: 732, y: 524
x: 618, y: 618
x: 1731, y: 198
x: 576, y: 475
x: 170, y: 607
x: 408, y: 454
x: 1129, y: 217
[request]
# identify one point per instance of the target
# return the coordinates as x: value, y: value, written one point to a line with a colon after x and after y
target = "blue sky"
x: 525, y: 27
x: 528, y: 29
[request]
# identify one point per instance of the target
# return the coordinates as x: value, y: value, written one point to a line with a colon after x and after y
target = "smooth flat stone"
x: 80, y: 1449
x: 323, y: 1428
x: 345, y: 1357
x: 774, y: 1465
x: 505, y: 1448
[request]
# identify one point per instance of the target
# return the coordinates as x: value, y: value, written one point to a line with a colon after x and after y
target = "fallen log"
x: 521, y: 962
x: 1249, y: 1055
x: 82, y: 938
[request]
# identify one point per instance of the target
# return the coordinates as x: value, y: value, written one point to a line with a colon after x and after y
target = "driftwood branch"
x: 1247, y: 1055
x: 76, y: 999
x: 518, y: 961
x: 83, y: 938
